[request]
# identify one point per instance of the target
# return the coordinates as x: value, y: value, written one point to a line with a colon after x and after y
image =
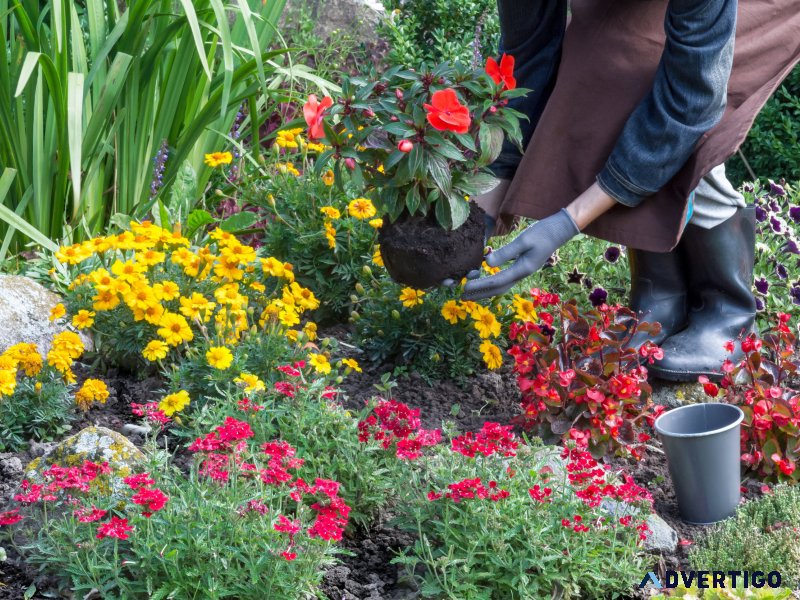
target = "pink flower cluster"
x: 152, y: 499
x: 395, y: 424
x: 61, y: 479
x: 151, y: 412
x: 468, y: 489
x: 223, y: 449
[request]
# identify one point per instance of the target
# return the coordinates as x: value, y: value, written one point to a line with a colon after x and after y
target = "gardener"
x: 635, y: 107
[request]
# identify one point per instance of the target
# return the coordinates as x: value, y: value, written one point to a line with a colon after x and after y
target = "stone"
x: 96, y: 444
x: 24, y: 312
x: 10, y: 468
x: 673, y: 395
x: 662, y: 537
x: 361, y: 17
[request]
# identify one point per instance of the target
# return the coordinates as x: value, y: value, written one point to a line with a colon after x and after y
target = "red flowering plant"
x: 764, y: 386
x: 578, y: 379
x: 243, y: 517
x: 419, y: 139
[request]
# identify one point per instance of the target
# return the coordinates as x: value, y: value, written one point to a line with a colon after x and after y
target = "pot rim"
x: 728, y: 427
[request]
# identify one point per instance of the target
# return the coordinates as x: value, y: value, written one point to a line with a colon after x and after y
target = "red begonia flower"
x: 314, y: 112
x: 446, y: 113
x: 503, y: 73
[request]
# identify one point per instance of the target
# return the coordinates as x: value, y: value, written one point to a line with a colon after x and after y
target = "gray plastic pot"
x: 702, y: 445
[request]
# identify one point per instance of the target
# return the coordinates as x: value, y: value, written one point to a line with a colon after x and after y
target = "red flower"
x: 289, y: 555
x: 504, y: 73
x: 152, y: 500
x: 10, y: 517
x: 116, y: 528
x: 446, y: 113
x: 137, y: 481
x: 286, y: 525
x: 405, y: 146
x: 711, y: 389
x: 433, y: 496
x: 314, y: 112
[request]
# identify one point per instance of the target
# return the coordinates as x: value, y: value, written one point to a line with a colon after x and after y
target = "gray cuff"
x: 619, y: 188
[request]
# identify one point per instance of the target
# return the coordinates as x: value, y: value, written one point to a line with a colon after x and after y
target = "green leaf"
x: 239, y: 222
x: 491, y: 140
x: 439, y: 171
x: 194, y: 26
x: 16, y: 221
x: 476, y: 184
x: 459, y: 210
x: 75, y: 131
x: 412, y: 199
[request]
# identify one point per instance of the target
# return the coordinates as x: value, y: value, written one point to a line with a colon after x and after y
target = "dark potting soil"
x: 418, y: 252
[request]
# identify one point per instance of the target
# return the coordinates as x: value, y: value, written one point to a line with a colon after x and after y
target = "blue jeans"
x: 687, y: 99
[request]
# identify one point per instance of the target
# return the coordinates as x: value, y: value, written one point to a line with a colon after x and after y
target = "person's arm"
x: 687, y: 99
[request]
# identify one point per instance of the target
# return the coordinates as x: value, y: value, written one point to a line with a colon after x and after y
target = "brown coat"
x: 610, y: 55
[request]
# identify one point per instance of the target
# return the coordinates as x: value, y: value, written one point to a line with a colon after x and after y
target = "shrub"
x: 495, y: 520
x: 578, y: 379
x: 761, y: 385
x: 771, y: 148
x: 35, y: 395
x: 240, y: 524
x: 762, y: 536
x: 440, y: 30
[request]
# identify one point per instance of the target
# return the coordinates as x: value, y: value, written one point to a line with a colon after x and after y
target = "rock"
x: 40, y: 448
x: 10, y: 468
x: 96, y: 444
x: 360, y: 17
x: 24, y: 312
x: 662, y: 537
x: 673, y: 395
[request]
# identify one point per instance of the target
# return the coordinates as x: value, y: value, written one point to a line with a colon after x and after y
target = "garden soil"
x: 418, y: 252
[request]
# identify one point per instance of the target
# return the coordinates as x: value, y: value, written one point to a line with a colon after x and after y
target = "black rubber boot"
x: 720, y: 277
x: 658, y: 293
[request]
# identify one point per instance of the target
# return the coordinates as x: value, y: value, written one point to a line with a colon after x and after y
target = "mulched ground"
x: 365, y: 572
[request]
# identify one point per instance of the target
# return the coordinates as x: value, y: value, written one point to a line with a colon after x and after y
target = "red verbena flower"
x: 10, y: 517
x: 152, y: 500
x: 115, y: 528
x: 89, y: 515
x: 446, y: 113
x: 502, y: 73
x: 139, y: 480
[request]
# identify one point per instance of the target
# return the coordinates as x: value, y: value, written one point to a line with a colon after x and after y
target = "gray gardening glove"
x: 529, y: 251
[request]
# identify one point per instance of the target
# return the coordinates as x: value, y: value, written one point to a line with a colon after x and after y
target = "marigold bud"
x: 359, y: 288
x: 395, y: 314
x: 405, y: 146
x: 353, y: 298
x: 355, y: 316
x: 366, y: 270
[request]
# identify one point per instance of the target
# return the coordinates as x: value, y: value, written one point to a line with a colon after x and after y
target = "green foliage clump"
x: 772, y: 148
x: 440, y: 30
x: 762, y: 536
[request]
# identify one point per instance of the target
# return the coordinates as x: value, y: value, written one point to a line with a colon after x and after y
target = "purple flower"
x: 748, y: 188
x: 159, y: 164
x: 781, y: 271
x: 774, y: 206
x: 776, y: 225
x: 762, y: 286
x: 612, y: 254
x: 598, y: 296
x: 795, y: 293
x: 759, y: 304
x: 575, y: 277
x: 761, y: 214
x: 791, y: 247
x: 794, y: 213
x: 776, y: 190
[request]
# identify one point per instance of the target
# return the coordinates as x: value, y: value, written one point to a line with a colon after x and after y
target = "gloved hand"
x: 529, y: 251
x: 490, y: 223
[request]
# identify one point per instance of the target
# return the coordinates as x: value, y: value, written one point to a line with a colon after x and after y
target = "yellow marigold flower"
x: 287, y: 168
x: 328, y: 178
x: 196, y: 306
x: 292, y: 335
x: 57, y: 312
x: 286, y: 138
x: 288, y: 316
x: 97, y: 245
x: 361, y: 208
x: 330, y: 235
x: 216, y: 159
x: 166, y: 290
x: 376, y: 223
x: 351, y: 363
x: 8, y: 362
x: 140, y: 296
x: 59, y: 360
x: 310, y: 330
x: 330, y: 212
x: 8, y: 382
x: 491, y: 355
x: 524, y: 309
x: 92, y: 390
x: 377, y: 259
x: 149, y: 257
x: 453, y: 312
x: 128, y: 271
x: 272, y: 266
x: 155, y: 350
x: 320, y: 363
x: 219, y: 357
x: 240, y: 252
x: 152, y: 314
x: 24, y: 355
x: 485, y: 322
x: 257, y: 286
x: 470, y: 306
x: 229, y: 294
x: 251, y: 383
x: 73, y: 255
x: 173, y: 403
x: 411, y: 297
x: 222, y: 236
x: 303, y: 296
x: 105, y: 300
x: 315, y: 147
x: 84, y: 319
x: 228, y: 267
x: 174, y: 329
x: 68, y: 342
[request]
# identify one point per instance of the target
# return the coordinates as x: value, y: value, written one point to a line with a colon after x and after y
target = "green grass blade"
x: 28, y: 65
x: 16, y: 221
x: 194, y: 26
x: 227, y: 53
x: 75, y: 131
